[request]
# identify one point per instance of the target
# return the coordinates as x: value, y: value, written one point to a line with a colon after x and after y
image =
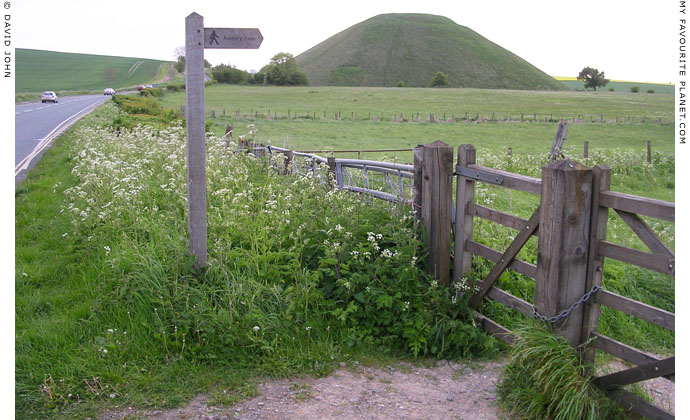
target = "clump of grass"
x: 545, y: 380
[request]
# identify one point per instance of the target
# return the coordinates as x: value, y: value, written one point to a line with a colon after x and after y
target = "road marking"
x: 45, y: 141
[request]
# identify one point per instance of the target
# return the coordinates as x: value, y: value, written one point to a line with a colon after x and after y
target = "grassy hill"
x: 411, y: 48
x: 39, y: 70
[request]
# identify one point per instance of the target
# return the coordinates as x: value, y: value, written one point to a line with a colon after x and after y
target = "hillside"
x: 39, y: 70
x: 411, y: 48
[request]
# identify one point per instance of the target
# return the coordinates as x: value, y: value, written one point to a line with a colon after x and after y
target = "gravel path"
x: 451, y: 391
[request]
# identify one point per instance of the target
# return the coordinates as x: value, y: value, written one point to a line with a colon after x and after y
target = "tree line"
x: 281, y: 70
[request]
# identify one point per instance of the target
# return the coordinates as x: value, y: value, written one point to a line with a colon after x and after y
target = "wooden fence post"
x: 585, y: 152
x: 464, y: 192
x: 437, y: 177
x: 564, y: 223
x: 417, y: 181
x: 601, y: 181
x: 649, y: 151
x: 331, y: 171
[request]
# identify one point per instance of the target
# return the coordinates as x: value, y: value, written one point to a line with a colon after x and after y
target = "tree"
x: 439, y: 80
x: 227, y: 74
x: 592, y: 78
x: 283, y: 70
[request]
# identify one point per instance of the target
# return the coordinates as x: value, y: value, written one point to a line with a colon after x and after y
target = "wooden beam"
x: 494, y: 328
x: 637, y: 309
x: 522, y: 267
x: 636, y: 374
x: 510, y: 301
x: 601, y: 181
x: 499, y: 217
x: 564, y: 230
x: 658, y: 209
x: 664, y: 265
x: 646, y: 234
x: 437, y: 171
x: 634, y: 403
x: 464, y: 192
x: 506, y: 258
x: 513, y: 181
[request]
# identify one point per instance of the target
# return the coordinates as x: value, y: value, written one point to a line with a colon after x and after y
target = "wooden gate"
x: 571, y: 224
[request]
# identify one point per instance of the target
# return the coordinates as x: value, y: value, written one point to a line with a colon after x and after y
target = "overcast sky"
x: 624, y: 39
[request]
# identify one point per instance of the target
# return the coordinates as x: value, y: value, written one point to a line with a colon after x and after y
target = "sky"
x: 620, y: 38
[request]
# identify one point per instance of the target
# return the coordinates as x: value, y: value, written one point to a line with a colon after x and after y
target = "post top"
x: 437, y: 144
x: 567, y: 165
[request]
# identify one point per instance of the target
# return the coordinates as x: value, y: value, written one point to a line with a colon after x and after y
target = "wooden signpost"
x: 196, y: 39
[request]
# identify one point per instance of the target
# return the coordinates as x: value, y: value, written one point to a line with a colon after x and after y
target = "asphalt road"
x: 38, y: 124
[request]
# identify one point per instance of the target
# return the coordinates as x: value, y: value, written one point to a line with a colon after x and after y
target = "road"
x: 38, y: 124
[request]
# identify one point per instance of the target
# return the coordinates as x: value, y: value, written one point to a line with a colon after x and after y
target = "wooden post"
x: 196, y: 137
x: 437, y: 172
x: 418, y: 154
x: 585, y: 152
x: 649, y: 151
x: 601, y: 181
x: 331, y: 171
x: 288, y: 161
x: 464, y: 192
x: 564, y: 223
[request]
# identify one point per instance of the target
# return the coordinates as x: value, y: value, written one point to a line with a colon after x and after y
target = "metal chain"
x: 555, y: 319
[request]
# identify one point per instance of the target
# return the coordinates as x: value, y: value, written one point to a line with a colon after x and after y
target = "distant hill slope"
x: 412, y: 48
x: 39, y: 70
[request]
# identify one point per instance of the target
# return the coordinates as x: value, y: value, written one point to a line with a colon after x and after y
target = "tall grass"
x: 545, y: 380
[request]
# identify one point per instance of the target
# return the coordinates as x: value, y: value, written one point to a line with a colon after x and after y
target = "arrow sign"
x: 232, y: 38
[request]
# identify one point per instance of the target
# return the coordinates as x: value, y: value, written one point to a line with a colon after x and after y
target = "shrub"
x: 156, y: 92
x: 175, y: 88
x: 611, y: 89
x: 635, y: 89
x: 400, y: 84
x: 230, y: 75
x: 439, y: 80
x: 650, y: 90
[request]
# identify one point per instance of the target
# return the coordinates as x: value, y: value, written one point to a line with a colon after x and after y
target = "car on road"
x: 49, y: 97
x: 109, y: 91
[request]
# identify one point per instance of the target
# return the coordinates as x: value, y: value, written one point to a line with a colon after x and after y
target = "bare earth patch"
x: 452, y: 391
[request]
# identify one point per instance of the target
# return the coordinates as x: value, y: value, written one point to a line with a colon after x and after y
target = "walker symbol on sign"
x: 214, y: 38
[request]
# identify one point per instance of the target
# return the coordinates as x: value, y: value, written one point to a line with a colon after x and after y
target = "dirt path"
x: 449, y: 391
x: 452, y: 391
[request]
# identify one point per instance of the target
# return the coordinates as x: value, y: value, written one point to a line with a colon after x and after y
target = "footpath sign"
x: 196, y: 39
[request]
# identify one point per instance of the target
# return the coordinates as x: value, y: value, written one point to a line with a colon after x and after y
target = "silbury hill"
x: 411, y: 48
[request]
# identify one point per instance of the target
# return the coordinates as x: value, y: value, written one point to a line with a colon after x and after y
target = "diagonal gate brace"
x: 527, y: 230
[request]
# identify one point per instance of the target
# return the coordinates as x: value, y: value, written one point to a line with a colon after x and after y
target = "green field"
x: 39, y: 70
x: 358, y: 129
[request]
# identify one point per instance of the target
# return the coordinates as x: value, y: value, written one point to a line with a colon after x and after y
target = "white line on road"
x: 45, y: 141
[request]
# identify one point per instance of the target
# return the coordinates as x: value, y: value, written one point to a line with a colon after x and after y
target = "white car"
x: 109, y: 91
x: 49, y: 97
